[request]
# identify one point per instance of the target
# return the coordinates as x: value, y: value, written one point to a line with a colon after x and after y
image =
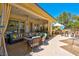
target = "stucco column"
x: 28, y: 24
x: 50, y: 28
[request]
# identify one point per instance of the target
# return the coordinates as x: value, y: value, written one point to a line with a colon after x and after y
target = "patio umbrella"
x: 57, y: 24
x: 62, y: 27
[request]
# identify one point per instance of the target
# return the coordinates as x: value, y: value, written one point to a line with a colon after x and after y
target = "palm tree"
x: 64, y: 17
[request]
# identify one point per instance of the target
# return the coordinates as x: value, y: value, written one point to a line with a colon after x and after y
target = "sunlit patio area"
x: 61, y: 46
x: 54, y: 49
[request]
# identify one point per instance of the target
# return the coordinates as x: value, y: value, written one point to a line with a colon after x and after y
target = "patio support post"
x: 28, y: 22
x: 6, y: 8
x: 50, y: 28
x: 26, y: 25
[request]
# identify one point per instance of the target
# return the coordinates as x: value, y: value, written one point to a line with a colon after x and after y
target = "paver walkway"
x: 53, y: 48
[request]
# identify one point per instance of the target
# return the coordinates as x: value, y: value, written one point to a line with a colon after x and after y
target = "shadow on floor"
x: 28, y: 54
x: 70, y: 42
x: 72, y: 49
x: 37, y: 49
x: 18, y: 49
x: 46, y: 42
x: 22, y: 48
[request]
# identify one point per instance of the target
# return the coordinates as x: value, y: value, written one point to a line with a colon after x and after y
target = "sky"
x: 55, y: 9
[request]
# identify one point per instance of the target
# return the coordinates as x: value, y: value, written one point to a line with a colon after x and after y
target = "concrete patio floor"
x: 53, y: 48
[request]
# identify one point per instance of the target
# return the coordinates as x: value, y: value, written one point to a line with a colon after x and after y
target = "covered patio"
x: 21, y: 19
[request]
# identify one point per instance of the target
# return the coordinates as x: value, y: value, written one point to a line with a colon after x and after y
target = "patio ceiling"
x: 17, y: 11
x: 20, y: 14
x: 32, y: 10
